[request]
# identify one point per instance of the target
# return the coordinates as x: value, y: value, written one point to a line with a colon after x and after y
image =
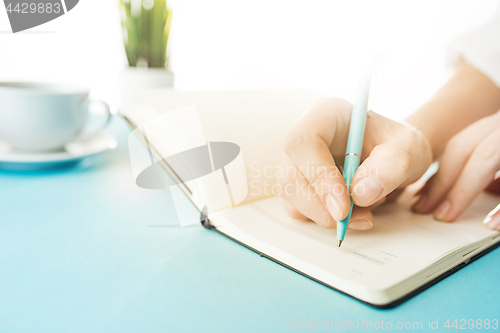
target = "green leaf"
x: 147, y: 34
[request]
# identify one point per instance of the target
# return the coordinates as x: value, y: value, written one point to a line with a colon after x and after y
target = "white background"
x: 221, y: 44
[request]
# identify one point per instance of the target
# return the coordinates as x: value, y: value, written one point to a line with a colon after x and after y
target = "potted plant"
x: 146, y: 28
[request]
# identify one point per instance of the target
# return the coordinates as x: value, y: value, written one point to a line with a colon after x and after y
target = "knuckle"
x: 418, y: 140
x: 296, y: 143
x: 415, y: 142
x: 487, y: 152
x: 325, y: 220
x: 292, y: 139
x: 400, y: 157
x: 312, y: 170
x: 315, y: 176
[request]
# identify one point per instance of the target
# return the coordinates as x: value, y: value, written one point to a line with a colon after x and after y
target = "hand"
x: 470, y: 161
x: 394, y: 155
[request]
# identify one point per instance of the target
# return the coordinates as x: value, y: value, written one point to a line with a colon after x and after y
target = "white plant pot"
x: 135, y: 80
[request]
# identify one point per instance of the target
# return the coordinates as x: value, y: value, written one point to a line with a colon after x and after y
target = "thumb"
x: 389, y: 166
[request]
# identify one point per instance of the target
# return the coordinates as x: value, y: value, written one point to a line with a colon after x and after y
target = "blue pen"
x: 355, y: 144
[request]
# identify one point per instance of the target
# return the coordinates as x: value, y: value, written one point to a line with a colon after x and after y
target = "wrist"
x: 431, y: 141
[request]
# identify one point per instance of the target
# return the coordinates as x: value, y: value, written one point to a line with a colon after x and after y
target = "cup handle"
x: 106, y: 117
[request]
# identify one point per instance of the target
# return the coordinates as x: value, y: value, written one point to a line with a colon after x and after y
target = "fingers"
x: 361, y: 217
x: 451, y: 164
x: 296, y: 190
x: 307, y: 146
x: 494, y: 186
x: 378, y: 204
x: 478, y: 172
x: 492, y: 221
x: 389, y: 166
x: 398, y: 155
x: 394, y: 195
x: 302, y: 201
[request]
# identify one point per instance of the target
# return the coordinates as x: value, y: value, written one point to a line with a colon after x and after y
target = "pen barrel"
x: 358, y: 116
x: 355, y: 143
x: 351, y: 164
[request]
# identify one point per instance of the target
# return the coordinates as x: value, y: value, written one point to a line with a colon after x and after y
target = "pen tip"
x: 339, y: 242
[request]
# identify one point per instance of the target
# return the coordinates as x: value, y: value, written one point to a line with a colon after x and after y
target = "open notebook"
x: 401, y: 255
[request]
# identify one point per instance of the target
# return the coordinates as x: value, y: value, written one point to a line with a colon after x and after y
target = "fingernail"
x: 442, y: 210
x: 420, y: 204
x: 362, y: 224
x: 367, y: 190
x: 492, y: 220
x: 334, y: 207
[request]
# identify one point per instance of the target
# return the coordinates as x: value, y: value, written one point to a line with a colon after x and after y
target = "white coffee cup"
x: 43, y: 117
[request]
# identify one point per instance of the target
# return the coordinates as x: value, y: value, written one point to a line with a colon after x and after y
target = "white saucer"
x: 13, y: 159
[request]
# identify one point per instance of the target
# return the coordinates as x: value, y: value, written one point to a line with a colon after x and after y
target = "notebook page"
x: 400, y: 244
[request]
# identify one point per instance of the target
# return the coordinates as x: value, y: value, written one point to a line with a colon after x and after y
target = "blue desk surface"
x: 85, y: 250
